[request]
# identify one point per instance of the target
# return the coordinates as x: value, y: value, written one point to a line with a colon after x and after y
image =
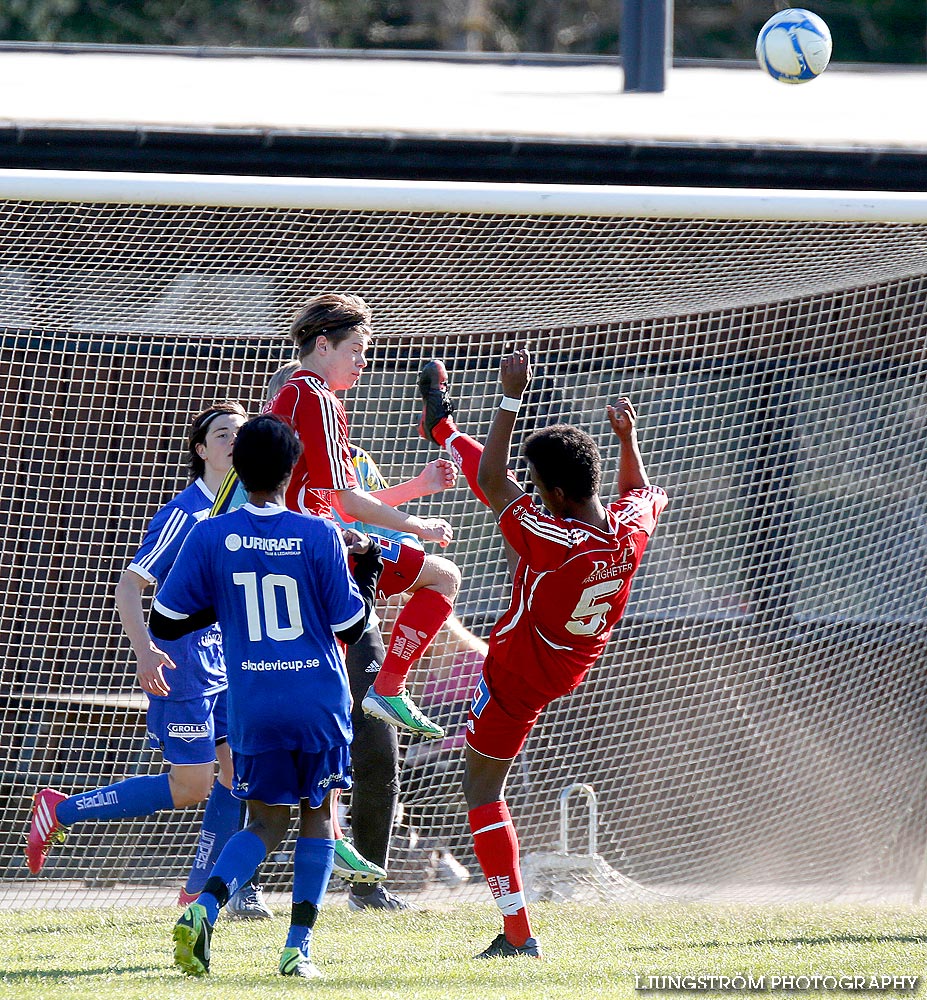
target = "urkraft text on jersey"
x: 273, y: 546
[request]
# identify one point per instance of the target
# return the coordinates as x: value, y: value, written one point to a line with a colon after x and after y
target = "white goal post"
x: 757, y: 728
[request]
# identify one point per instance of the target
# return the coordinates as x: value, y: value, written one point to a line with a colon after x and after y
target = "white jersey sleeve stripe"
x: 174, y: 524
x: 142, y: 572
x: 630, y: 511
x: 168, y: 612
x: 549, y: 532
x: 330, y: 423
x: 332, y: 433
x: 542, y: 529
x: 343, y: 625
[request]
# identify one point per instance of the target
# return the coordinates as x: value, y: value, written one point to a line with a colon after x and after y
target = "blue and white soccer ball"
x: 794, y: 46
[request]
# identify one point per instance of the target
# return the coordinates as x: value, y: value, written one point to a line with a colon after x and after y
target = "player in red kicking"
x: 577, y: 558
x: 331, y: 334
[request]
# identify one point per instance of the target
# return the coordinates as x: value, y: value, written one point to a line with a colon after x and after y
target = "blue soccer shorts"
x: 284, y: 777
x: 186, y: 732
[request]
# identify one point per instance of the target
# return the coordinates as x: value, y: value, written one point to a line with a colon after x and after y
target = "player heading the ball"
x: 331, y: 334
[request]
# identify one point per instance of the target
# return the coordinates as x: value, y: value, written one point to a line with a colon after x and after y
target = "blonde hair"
x: 279, y: 379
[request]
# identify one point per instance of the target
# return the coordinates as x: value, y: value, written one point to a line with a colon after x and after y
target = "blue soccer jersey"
x: 200, y: 663
x: 280, y: 586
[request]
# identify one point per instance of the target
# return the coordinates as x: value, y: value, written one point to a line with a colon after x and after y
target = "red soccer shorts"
x: 502, y: 713
x: 402, y: 566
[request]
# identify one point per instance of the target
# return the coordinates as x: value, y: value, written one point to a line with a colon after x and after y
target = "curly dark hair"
x: 567, y: 457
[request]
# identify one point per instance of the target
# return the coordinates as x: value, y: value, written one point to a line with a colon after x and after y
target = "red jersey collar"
x: 307, y: 373
x: 604, y: 533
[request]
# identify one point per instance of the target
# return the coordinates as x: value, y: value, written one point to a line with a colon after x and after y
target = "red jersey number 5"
x: 589, y: 615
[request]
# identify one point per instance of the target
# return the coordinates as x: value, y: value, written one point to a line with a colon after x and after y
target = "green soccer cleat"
x: 353, y: 867
x: 294, y: 963
x: 192, y: 936
x: 400, y: 711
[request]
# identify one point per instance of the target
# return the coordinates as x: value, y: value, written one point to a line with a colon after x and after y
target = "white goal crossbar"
x: 596, y: 201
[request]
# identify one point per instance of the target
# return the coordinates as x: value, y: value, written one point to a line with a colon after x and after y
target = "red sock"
x: 466, y: 453
x: 442, y: 430
x: 496, y: 846
x: 417, y: 625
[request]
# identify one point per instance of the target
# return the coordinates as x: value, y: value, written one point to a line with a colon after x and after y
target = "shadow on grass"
x: 800, y: 940
x: 25, y: 976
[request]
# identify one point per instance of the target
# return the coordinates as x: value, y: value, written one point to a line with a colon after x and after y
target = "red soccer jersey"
x: 317, y: 415
x: 571, y: 587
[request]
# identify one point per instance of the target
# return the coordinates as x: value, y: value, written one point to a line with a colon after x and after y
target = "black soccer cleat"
x: 380, y: 899
x: 500, y: 948
x: 432, y: 387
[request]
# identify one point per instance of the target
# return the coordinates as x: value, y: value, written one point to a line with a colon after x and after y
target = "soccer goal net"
x: 757, y: 728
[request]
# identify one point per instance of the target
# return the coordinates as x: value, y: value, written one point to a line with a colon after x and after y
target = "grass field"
x: 590, y: 952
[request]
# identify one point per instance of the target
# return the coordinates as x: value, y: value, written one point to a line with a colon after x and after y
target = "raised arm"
x: 631, y: 472
x: 492, y: 478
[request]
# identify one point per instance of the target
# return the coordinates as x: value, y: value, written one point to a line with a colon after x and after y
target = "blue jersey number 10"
x: 263, y: 604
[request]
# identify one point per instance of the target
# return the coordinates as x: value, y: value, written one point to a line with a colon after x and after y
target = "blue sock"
x: 132, y: 797
x: 221, y: 819
x: 312, y: 868
x: 234, y: 866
